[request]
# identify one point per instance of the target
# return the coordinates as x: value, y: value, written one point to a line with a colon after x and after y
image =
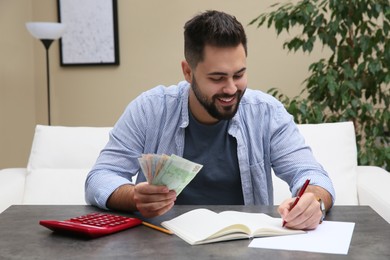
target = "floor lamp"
x: 47, y: 32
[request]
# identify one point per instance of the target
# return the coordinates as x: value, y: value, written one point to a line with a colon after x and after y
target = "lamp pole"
x: 47, y: 43
x: 46, y: 32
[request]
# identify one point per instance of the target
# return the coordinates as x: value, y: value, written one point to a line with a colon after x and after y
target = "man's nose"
x: 230, y: 87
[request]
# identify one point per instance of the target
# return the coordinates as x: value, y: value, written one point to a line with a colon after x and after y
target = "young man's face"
x: 217, y: 83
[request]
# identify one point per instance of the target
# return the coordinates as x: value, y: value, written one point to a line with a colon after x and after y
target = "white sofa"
x: 62, y: 156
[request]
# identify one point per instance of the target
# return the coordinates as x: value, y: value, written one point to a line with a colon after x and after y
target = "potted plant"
x: 353, y: 83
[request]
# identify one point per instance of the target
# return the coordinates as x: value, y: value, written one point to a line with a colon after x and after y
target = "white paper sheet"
x: 330, y: 237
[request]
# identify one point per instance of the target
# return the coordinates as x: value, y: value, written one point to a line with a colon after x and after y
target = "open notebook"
x: 201, y: 226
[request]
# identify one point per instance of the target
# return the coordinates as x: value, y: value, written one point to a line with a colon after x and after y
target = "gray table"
x: 21, y: 237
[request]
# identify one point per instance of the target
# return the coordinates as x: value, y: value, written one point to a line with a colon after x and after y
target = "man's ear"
x: 187, y: 71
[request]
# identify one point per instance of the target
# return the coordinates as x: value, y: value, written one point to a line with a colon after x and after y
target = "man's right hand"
x: 152, y: 200
x: 149, y: 200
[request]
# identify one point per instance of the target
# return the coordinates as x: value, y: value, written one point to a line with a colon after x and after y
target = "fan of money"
x: 172, y: 171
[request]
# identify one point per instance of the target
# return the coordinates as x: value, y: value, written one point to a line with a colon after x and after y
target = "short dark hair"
x: 211, y: 28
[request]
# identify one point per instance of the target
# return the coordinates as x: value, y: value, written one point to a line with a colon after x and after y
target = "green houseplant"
x: 353, y: 83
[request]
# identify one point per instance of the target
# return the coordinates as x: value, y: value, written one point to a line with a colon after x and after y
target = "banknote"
x: 172, y: 171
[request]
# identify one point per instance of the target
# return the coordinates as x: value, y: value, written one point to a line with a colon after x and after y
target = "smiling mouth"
x: 226, y: 100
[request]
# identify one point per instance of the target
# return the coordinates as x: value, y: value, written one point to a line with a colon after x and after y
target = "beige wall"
x: 151, y: 49
x: 17, y: 93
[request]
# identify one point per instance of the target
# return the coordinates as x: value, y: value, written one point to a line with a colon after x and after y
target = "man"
x: 238, y: 134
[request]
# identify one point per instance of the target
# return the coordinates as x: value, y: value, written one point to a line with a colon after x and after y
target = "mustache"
x: 235, y: 95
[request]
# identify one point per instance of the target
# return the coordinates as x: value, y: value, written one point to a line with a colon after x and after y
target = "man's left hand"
x: 306, y: 214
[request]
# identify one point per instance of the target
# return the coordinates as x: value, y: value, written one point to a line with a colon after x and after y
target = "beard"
x: 220, y: 113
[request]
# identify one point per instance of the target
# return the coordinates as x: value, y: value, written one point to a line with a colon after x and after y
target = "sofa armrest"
x: 373, y: 189
x: 11, y: 187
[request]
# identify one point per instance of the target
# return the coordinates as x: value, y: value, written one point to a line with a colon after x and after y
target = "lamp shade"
x: 46, y: 30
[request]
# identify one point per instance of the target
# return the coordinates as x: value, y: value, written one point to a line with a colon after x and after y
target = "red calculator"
x: 92, y: 225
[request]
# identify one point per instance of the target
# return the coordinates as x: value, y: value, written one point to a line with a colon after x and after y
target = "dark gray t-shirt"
x: 219, y: 181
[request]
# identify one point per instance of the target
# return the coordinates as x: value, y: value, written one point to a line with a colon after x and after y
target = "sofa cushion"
x: 334, y: 146
x: 55, y: 186
x: 60, y: 147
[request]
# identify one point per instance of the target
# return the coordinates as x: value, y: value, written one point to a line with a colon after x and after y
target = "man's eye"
x: 216, y: 79
x: 238, y: 76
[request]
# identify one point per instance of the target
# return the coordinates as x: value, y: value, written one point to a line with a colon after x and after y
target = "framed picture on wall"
x: 91, y: 34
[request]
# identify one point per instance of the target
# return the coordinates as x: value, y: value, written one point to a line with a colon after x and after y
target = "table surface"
x: 21, y: 237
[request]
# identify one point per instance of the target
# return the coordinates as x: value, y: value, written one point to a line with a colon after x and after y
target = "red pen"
x: 301, y: 191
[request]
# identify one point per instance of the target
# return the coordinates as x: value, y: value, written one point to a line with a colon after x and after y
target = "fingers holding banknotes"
x: 153, y: 200
x: 166, y: 177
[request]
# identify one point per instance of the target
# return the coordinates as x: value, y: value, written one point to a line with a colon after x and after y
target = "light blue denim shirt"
x: 155, y: 122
